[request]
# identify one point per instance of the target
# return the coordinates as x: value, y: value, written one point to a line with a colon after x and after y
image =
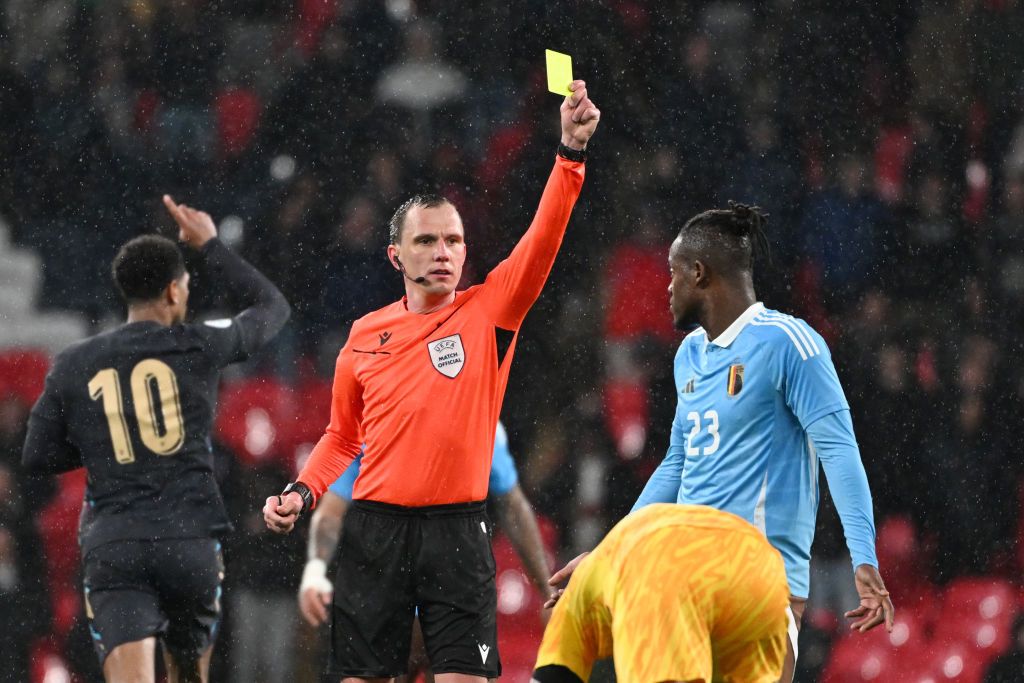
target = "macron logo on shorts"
x: 484, y: 651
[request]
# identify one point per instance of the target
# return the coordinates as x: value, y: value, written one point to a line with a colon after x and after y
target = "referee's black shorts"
x: 395, y: 561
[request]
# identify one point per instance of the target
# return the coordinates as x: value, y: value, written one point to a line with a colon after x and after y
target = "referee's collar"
x: 726, y: 339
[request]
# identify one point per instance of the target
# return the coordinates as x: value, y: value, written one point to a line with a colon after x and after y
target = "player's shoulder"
x: 200, y: 335
x: 694, y: 339
x: 75, y: 355
x: 695, y: 336
x: 85, y: 351
x: 790, y: 334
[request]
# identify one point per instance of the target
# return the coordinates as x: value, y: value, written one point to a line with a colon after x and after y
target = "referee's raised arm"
x: 518, y: 280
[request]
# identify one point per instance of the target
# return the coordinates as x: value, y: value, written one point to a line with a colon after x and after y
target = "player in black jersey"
x: 134, y: 406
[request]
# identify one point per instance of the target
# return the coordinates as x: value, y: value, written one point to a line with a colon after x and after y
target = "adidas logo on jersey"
x: 690, y: 386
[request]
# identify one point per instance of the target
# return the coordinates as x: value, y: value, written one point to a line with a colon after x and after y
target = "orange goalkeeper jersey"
x: 423, y: 392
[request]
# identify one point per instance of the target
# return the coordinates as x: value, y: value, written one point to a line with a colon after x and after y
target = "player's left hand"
x: 875, y: 605
x: 281, y: 512
x: 579, y: 117
x: 195, y: 228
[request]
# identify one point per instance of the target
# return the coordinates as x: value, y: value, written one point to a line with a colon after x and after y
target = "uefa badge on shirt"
x: 447, y: 355
x: 735, y: 385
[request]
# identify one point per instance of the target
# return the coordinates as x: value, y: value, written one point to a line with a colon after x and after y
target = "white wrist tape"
x: 315, y: 576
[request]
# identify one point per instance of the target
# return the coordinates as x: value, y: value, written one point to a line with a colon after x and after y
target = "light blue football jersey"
x: 739, y: 439
x: 503, y: 470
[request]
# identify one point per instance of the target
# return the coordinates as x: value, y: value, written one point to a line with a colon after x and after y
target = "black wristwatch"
x: 571, y: 154
x: 303, y: 491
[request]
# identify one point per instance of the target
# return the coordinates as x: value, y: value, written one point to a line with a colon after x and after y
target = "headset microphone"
x: 418, y: 280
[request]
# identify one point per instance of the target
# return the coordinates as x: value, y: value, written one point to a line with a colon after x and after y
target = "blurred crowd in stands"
x: 886, y: 143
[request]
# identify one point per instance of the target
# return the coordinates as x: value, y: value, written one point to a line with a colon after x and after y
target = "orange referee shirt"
x: 424, y: 391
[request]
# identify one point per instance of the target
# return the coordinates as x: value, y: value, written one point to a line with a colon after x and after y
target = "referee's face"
x: 433, y: 246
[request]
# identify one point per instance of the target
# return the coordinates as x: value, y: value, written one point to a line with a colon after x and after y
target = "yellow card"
x: 559, y: 72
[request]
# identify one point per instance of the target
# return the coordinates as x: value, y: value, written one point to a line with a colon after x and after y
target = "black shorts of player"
x: 169, y: 588
x: 394, y: 562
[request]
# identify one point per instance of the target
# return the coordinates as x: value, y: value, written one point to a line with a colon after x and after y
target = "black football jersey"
x: 135, y: 407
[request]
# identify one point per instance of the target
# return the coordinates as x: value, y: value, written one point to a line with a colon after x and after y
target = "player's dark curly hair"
x: 736, y: 235
x: 425, y: 201
x: 144, y: 266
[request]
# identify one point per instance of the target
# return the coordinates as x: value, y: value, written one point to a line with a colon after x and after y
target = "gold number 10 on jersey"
x: 148, y: 375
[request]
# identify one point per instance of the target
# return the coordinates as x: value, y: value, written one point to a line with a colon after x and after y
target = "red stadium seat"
x: 23, y: 373
x: 627, y: 415
x: 984, y: 598
x: 877, y: 655
x: 256, y: 419
x: 638, y: 294
x: 897, y: 545
x: 977, y: 614
x: 899, y: 552
x: 517, y: 662
x: 852, y: 662
x: 314, y: 412
x: 238, y: 117
x: 892, y: 158
x: 949, y: 662
x: 58, y: 531
x: 47, y: 663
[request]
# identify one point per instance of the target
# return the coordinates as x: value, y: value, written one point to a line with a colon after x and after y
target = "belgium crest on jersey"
x: 447, y: 355
x: 735, y: 385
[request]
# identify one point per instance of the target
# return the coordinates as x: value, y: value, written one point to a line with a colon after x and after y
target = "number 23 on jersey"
x: 711, y: 424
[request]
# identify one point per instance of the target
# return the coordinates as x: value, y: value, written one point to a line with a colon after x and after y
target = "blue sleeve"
x: 345, y: 483
x: 806, y: 376
x: 836, y: 446
x: 504, y: 476
x: 663, y: 486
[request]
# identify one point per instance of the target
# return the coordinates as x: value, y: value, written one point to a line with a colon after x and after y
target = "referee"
x: 421, y: 382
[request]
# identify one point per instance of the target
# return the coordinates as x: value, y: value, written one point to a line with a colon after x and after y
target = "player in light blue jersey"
x: 759, y: 407
x: 515, y: 514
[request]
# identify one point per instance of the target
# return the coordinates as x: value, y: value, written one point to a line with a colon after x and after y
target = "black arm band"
x: 303, y: 491
x: 571, y: 154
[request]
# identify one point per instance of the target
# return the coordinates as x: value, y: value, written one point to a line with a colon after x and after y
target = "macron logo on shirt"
x: 484, y: 651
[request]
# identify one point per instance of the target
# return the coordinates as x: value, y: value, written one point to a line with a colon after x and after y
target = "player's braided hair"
x: 426, y: 201
x: 743, y: 225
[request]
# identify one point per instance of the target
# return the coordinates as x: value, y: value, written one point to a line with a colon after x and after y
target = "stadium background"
x: 885, y: 139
